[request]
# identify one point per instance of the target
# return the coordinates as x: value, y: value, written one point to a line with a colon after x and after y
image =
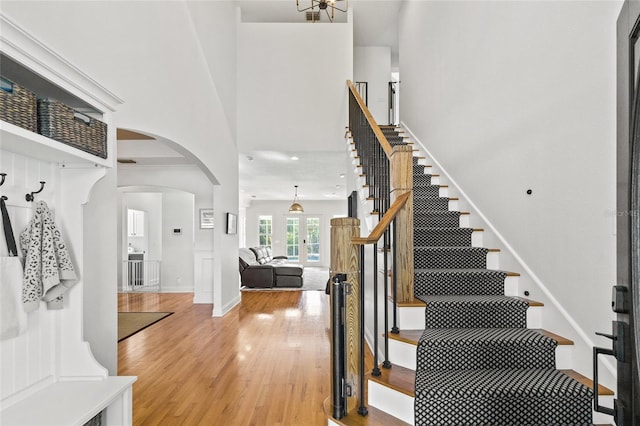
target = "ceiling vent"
x: 126, y: 161
x: 313, y: 16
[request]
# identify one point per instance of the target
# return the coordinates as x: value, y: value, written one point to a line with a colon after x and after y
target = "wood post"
x: 345, y: 259
x: 401, y: 168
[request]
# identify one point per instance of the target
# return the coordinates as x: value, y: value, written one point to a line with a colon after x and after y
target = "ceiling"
x: 271, y: 175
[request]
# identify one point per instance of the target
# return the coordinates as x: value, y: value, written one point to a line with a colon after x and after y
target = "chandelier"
x: 322, y: 5
x: 296, y: 207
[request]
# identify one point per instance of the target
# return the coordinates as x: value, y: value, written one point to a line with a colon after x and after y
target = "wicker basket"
x: 18, y: 105
x: 60, y: 122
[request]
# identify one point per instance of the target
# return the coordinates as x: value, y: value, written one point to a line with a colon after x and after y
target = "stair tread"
x: 403, y: 379
x: 457, y: 248
x: 529, y: 301
x: 469, y: 270
x: 438, y: 212
x: 602, y: 390
x: 418, y: 302
x: 508, y: 383
x: 374, y: 417
x: 471, y: 299
x: 443, y: 228
x: 397, y: 378
x: 413, y: 336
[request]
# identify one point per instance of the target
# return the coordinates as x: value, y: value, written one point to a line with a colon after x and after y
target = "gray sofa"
x: 260, y: 269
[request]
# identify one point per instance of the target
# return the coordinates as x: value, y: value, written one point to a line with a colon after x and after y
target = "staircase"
x: 470, y: 351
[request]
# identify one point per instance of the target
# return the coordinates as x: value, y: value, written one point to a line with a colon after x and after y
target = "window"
x: 264, y: 231
x: 313, y: 239
x: 293, y: 238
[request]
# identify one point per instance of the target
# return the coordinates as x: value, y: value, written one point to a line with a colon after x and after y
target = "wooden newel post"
x: 345, y: 259
x: 401, y: 167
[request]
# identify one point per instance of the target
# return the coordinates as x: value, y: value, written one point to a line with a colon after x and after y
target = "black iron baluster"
x: 395, y: 329
x: 376, y: 370
x: 386, y: 363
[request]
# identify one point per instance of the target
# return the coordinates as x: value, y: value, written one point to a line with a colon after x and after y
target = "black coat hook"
x: 4, y: 175
x: 29, y: 197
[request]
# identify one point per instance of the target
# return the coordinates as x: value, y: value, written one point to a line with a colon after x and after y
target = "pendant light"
x: 296, y: 207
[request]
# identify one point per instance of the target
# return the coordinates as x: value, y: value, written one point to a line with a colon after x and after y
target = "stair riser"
x: 432, y: 204
x: 412, y: 318
x: 479, y: 317
x: 426, y: 192
x: 510, y: 286
x: 422, y: 179
x: 504, y: 411
x: 454, y: 237
x: 392, y: 402
x: 477, y: 239
x: 472, y: 357
x: 440, y: 221
x: 404, y: 354
x: 399, y: 404
x: 462, y: 283
x: 435, y: 258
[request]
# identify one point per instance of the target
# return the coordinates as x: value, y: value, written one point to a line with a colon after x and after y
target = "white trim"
x: 30, y: 52
x: 572, y: 322
x: 230, y: 305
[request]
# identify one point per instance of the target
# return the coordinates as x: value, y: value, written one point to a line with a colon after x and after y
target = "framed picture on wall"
x: 206, y: 218
x: 232, y: 223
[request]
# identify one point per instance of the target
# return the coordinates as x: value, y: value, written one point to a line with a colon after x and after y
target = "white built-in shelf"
x: 72, y: 402
x: 24, y: 142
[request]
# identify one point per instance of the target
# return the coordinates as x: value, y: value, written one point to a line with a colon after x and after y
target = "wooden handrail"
x: 385, y: 221
x: 382, y: 139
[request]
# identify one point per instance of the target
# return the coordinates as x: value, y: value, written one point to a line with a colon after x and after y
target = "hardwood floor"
x: 265, y: 363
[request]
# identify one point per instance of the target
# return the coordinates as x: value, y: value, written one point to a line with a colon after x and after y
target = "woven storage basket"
x: 60, y: 122
x: 18, y: 105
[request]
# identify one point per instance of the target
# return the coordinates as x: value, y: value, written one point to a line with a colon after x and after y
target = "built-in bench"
x: 73, y: 402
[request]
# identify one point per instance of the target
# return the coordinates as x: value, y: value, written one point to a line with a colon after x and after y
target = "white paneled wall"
x: 27, y: 359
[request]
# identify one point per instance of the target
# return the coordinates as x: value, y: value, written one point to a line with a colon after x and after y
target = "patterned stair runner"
x: 477, y: 363
x: 500, y: 397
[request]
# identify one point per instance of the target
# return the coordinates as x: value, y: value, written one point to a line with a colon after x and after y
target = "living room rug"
x: 129, y: 323
x: 315, y: 279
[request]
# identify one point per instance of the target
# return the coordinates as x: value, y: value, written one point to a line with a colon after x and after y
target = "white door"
x: 303, y: 244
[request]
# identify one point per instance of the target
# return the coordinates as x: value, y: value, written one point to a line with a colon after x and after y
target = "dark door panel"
x: 626, y: 294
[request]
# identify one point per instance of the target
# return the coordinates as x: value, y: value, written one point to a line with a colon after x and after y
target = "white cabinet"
x: 136, y: 222
x: 51, y: 363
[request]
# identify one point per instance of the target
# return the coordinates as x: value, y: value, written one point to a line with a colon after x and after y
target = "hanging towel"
x: 13, y: 318
x: 48, y: 271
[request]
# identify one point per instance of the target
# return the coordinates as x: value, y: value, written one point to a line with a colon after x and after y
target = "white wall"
x: 291, y: 79
x: 177, y: 259
x: 214, y: 26
x: 373, y: 65
x: 511, y: 96
x: 279, y: 209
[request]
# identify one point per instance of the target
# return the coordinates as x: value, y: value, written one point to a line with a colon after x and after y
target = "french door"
x: 303, y: 243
